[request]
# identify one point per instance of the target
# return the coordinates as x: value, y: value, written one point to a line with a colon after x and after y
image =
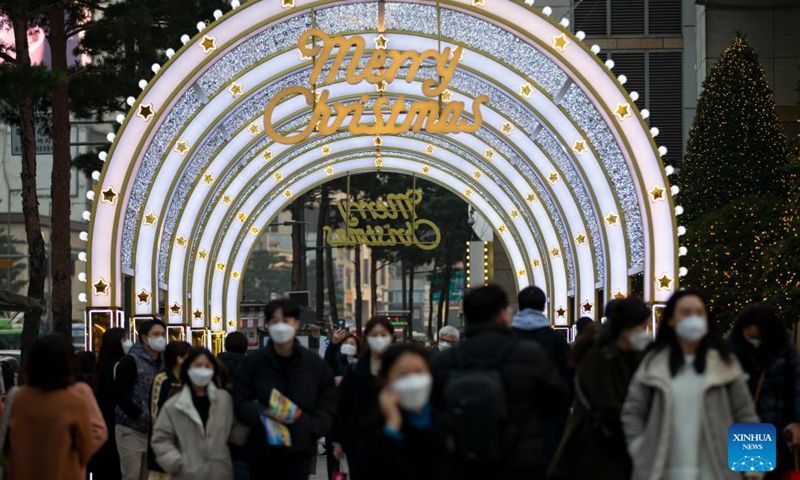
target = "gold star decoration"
x: 109, y: 195
x: 478, y: 3
x: 100, y: 287
x: 377, y: 141
x: 555, y: 252
x: 236, y: 90
x: 560, y: 42
x: 287, y: 3
x: 531, y: 197
x: 536, y: 263
x: 611, y: 219
x: 514, y: 213
x: 267, y: 155
x: 622, y: 111
x: 430, y: 149
x: 182, y: 147
x: 521, y: 273
x: 278, y: 176
x: 145, y: 111
x: 198, y: 314
x: 235, y: 274
x: 329, y: 171
x: 380, y: 87
x: 254, y: 230
x: 217, y: 319
x: 226, y: 199
x: 426, y: 169
x: 378, y: 162
x: 525, y: 90
x: 561, y: 312
x: 143, y: 298
x: 182, y: 241
x: 254, y: 129
x: 580, y: 239
x: 507, y: 128
x: 242, y: 216
x: 303, y: 57
x: 208, y: 178
x: 150, y: 219
x: 553, y: 177
x: 664, y: 282
x: 501, y: 228
x: 202, y: 255
x: 175, y: 309
x: 209, y: 44
x: 381, y: 42
x: 587, y: 306
x: 287, y: 193
x: 489, y: 154
x: 220, y: 266
x: 619, y: 295
x: 447, y: 96
x: 656, y: 193
x: 477, y: 175
x: 326, y: 150
x: 232, y: 323
x: 579, y: 147
x: 468, y: 192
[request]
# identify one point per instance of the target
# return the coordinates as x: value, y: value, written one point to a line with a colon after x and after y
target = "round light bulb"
x: 82, y: 277
x: 547, y: 11
x: 120, y: 119
x: 675, y: 189
x: 90, y: 195
x: 654, y: 131
x: 564, y: 22
x: 683, y: 251
x: 82, y: 297
x: 580, y: 34
x: 82, y: 256
x: 217, y: 14
x: 170, y: 53
x: 610, y: 64
x: 669, y: 169
x: 185, y: 39
x: 201, y: 26
x: 155, y: 68
x: 681, y: 231
x: 87, y: 215
x: 143, y: 83
x: 84, y: 236
x: 662, y: 150
x: 130, y: 101
x: 683, y: 271
x: 622, y: 79
x: 235, y: 4
x: 110, y: 137
x: 95, y: 175
x: 595, y: 49
x: 634, y: 96
x: 102, y: 156
x: 645, y: 113
x: 678, y: 210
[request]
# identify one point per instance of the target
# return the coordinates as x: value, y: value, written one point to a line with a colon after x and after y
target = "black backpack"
x: 475, y: 402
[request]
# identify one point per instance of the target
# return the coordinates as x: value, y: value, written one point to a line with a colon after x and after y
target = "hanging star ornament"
x: 202, y: 255
x: 430, y: 149
x: 377, y: 141
x: 254, y: 230
x: 182, y: 147
x: 656, y: 193
x: 329, y: 171
x: 198, y: 314
x: 611, y: 219
x: 553, y: 177
x: 580, y: 239
x: 531, y: 197
x: 379, y: 162
x: 150, y: 219
x: 478, y: 3
x: 477, y: 175
x: 220, y: 266
x: 619, y: 295
x: 175, y: 309
x: 143, y: 298
x: 241, y: 216
x: 507, y: 128
x: 501, y: 229
x: 235, y: 275
x: 326, y: 150
x: 426, y: 169
x: 182, y: 241
x: 525, y: 90
x: 380, y: 87
x: 514, y: 213
x: 209, y: 44
x: 536, y: 263
x: 587, y: 306
x: 622, y: 111
x: 232, y: 323
x: 226, y: 199
x: 521, y: 273
x: 447, y: 96
x: 489, y: 154
x: 236, y: 90
x: 468, y: 192
x: 561, y: 312
x: 560, y: 42
x: 579, y: 147
x: 555, y: 252
x: 208, y: 178
x: 109, y: 195
x: 287, y: 3
x: 267, y: 155
x: 664, y: 282
x: 287, y: 193
x: 381, y: 42
x: 278, y: 176
x: 145, y: 111
x: 254, y: 129
x: 100, y: 287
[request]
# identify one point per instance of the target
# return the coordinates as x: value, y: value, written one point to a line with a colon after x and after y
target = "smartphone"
x: 341, y: 325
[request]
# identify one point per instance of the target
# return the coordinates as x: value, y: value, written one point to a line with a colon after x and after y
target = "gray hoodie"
x: 530, y: 319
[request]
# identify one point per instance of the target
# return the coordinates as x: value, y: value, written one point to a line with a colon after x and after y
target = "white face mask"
x: 414, y: 391
x: 157, y: 344
x: 281, y: 333
x: 444, y: 345
x: 379, y: 344
x: 127, y: 345
x: 201, y: 376
x: 640, y: 340
x: 348, y: 349
x: 755, y: 342
x: 692, y: 329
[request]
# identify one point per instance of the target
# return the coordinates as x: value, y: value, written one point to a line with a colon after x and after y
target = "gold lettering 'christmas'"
x: 395, y: 206
x: 430, y: 116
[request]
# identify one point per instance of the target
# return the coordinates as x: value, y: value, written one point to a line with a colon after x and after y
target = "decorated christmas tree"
x: 735, y: 185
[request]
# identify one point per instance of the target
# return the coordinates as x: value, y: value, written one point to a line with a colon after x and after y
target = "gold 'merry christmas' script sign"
x: 428, y: 115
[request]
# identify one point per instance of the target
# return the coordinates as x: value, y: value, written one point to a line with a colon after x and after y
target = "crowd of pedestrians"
x: 507, y: 398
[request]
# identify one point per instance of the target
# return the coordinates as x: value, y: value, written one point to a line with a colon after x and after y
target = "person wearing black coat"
x: 762, y: 345
x: 533, y: 388
x: 235, y: 350
x: 341, y: 353
x: 300, y: 375
x: 105, y: 463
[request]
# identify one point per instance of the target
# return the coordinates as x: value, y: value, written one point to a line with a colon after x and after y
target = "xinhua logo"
x: 751, y: 447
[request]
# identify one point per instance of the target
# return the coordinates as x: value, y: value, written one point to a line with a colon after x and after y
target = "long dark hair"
x: 111, y: 352
x: 191, y: 357
x: 667, y: 338
x: 774, y: 336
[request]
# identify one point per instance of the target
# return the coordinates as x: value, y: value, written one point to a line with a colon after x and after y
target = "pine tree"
x: 734, y: 184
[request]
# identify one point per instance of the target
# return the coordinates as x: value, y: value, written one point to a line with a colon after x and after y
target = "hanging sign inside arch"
x: 418, y: 232
x: 431, y: 116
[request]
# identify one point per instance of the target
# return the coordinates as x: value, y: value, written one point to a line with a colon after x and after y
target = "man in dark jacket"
x: 235, y: 350
x: 530, y: 324
x: 533, y: 388
x: 300, y: 375
x: 133, y: 381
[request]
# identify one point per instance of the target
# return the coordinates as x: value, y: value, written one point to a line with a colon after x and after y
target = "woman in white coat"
x: 190, y: 437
